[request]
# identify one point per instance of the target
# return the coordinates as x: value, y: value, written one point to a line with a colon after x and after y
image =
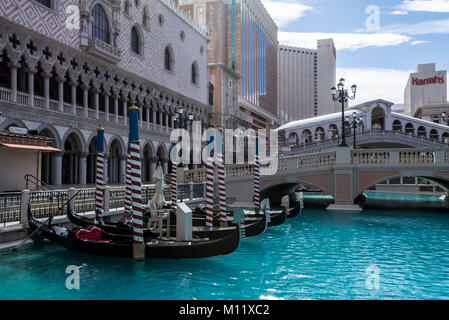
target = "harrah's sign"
x: 422, y: 82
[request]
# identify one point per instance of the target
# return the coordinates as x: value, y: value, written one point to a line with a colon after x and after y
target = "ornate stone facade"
x: 56, y: 84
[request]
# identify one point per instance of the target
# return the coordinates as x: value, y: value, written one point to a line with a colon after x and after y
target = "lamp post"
x: 180, y: 121
x: 356, y: 123
x: 341, y: 95
x: 445, y: 117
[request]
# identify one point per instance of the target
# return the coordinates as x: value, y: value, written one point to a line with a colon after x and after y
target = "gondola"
x: 109, y: 227
x: 253, y: 225
x: 295, y: 211
x: 123, y: 229
x: 277, y: 217
x: 98, y: 242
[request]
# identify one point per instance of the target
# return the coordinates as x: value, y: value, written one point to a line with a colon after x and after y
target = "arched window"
x: 100, y: 25
x: 168, y: 59
x: 46, y: 3
x: 194, y: 73
x: 135, y: 45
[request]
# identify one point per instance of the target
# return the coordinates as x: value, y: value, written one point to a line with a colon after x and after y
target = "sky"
x: 378, y: 42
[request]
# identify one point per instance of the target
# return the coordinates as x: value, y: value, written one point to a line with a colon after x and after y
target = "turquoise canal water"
x: 317, y: 255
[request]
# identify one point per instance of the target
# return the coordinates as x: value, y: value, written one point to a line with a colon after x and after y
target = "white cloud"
x: 425, y: 5
x: 284, y: 12
x: 427, y: 27
x: 343, y: 41
x: 399, y: 12
x: 414, y: 43
x: 376, y: 83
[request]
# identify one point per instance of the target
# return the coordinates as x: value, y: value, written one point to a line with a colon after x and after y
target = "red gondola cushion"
x: 94, y: 234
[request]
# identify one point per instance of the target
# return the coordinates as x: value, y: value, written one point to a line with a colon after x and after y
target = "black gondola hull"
x: 123, y: 245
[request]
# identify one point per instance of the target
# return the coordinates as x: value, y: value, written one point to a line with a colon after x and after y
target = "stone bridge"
x: 343, y: 173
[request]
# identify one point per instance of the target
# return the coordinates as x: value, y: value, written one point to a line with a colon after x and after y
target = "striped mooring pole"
x: 256, y: 178
x: 136, y: 184
x: 174, y: 184
x: 128, y: 184
x: 99, y: 178
x: 222, y: 189
x: 210, y: 191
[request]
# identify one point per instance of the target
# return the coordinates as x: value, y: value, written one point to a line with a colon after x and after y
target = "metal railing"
x: 10, y: 207
x: 44, y: 203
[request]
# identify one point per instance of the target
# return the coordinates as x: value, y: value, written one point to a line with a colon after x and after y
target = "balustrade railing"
x: 416, y: 157
x: 370, y: 157
x: 53, y: 105
x: 317, y: 160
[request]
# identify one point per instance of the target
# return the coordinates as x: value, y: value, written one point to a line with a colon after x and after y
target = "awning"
x: 29, y: 147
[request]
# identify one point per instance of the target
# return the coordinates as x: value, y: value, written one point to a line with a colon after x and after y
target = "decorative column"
x: 106, y: 104
x: 13, y: 68
x: 153, y: 163
x: 83, y: 167
x: 138, y: 245
x: 140, y: 117
x: 166, y: 123
x: 31, y: 72
x: 60, y: 93
x: 125, y: 111
x: 46, y: 77
x: 160, y: 121
x: 123, y: 160
x: 99, y: 178
x: 147, y: 110
x: 116, y: 108
x: 73, y: 85
x: 85, y: 88
x: 57, y: 168
x: 97, y: 103
x: 165, y: 165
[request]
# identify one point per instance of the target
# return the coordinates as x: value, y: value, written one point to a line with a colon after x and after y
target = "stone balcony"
x: 104, y: 51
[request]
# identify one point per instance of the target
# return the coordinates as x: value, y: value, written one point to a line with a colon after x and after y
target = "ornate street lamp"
x: 356, y: 123
x: 445, y: 117
x: 341, y: 95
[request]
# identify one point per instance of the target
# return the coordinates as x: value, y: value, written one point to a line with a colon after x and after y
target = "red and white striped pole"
x: 174, y: 185
x: 99, y: 178
x: 136, y: 184
x: 128, y: 185
x: 222, y: 188
x: 209, y: 192
x: 256, y: 178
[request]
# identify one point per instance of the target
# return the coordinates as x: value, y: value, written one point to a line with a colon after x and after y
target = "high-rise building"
x: 426, y: 86
x: 305, y: 77
x: 242, y: 55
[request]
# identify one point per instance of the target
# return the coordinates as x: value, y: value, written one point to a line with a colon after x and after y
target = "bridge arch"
x: 378, y: 118
x: 409, y: 128
x: 397, y: 125
x: 366, y: 182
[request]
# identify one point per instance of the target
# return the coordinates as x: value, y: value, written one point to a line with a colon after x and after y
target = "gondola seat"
x: 93, y: 234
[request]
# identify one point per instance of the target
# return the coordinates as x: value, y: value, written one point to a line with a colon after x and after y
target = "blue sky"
x: 377, y: 57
